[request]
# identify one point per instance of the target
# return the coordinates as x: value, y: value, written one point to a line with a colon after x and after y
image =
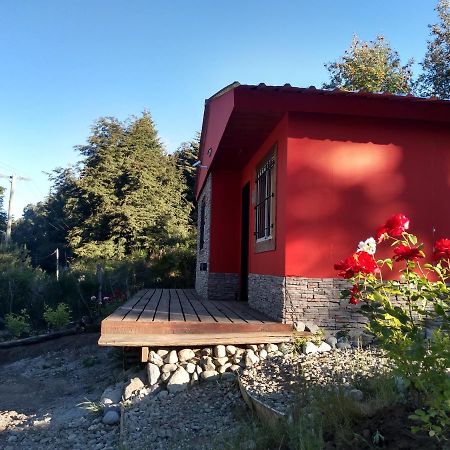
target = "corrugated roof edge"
x: 336, y: 91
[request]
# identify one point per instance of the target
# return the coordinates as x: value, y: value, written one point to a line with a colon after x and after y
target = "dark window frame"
x: 265, y: 202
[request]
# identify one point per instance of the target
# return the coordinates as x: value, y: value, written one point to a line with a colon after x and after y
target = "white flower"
x: 369, y: 246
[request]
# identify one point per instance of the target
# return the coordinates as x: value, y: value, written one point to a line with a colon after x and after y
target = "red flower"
x: 394, y: 227
x: 354, y: 298
x: 403, y: 252
x: 360, y: 262
x: 441, y: 249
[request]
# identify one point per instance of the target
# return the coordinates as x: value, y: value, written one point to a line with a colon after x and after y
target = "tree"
x: 129, y: 195
x: 435, y: 79
x: 370, y: 66
x: 185, y: 157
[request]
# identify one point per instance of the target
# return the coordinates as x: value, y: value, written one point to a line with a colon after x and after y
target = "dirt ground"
x: 42, y: 384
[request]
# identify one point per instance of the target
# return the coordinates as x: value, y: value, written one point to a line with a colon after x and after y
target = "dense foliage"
x: 435, y: 79
x: 409, y: 316
x: 371, y: 66
x: 2, y: 213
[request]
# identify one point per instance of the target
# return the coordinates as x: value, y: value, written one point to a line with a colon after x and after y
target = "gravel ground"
x: 275, y: 380
x: 40, y: 388
x: 193, y: 419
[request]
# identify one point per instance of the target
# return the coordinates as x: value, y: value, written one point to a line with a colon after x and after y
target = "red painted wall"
x: 226, y: 212
x: 345, y: 176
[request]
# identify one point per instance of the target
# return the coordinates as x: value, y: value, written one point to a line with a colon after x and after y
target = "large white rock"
x: 135, y: 384
x: 231, y: 349
x: 153, y: 373
x: 312, y: 327
x: 271, y: 348
x: 332, y: 341
x: 155, y: 359
x: 209, y: 375
x: 263, y: 354
x: 185, y: 354
x: 171, y: 358
x: 162, y: 353
x: 112, y: 395
x: 250, y: 358
x: 224, y: 368
x: 221, y: 361
x: 220, y: 351
x: 178, y: 381
x: 167, y: 368
x: 190, y: 368
x: 324, y: 347
x: 310, y: 348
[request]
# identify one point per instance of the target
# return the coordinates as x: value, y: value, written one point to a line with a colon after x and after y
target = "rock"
x: 311, y: 327
x: 209, y: 375
x: 251, y: 359
x: 207, y: 363
x: 134, y: 385
x: 253, y: 347
x: 162, y: 353
x: 356, y: 394
x: 310, y: 348
x: 194, y: 377
x: 231, y: 349
x: 324, y: 347
x: 111, y: 418
x: 185, y: 355
x: 198, y: 370
x: 224, y: 368
x: 112, y: 395
x: 236, y: 359
x: 343, y: 345
x: 220, y: 351
x: 235, y: 368
x: 165, y: 376
x: 155, y: 359
x: 221, y: 361
x: 190, y: 368
x: 299, y: 326
x: 263, y: 354
x: 283, y: 348
x: 332, y: 341
x: 178, y: 381
x: 205, y: 352
x: 153, y: 373
x: 228, y: 376
x: 271, y: 348
x: 169, y: 368
x: 171, y: 358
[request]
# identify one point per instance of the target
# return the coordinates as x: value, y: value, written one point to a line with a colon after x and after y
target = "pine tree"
x: 435, y: 79
x: 370, y: 66
x: 185, y: 157
x: 129, y: 196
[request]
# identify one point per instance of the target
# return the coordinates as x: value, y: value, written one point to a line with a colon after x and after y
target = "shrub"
x: 18, y: 324
x: 400, y: 312
x: 58, y: 317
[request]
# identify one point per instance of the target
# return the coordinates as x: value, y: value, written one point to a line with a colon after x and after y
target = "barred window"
x: 264, y: 199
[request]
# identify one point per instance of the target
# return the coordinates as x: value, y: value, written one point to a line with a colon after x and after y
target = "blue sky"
x: 66, y: 63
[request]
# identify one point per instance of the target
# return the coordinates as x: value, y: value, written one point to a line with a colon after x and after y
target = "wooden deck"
x: 179, y: 317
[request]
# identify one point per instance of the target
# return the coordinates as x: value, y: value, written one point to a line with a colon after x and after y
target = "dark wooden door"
x: 245, y: 232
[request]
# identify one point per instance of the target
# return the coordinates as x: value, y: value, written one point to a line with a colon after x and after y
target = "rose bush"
x: 409, y: 316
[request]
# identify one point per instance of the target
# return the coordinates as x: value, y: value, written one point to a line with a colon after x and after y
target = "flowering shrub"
x: 410, y: 316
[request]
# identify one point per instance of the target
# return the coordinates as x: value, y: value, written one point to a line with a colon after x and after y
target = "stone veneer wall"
x: 201, y: 276
x: 297, y: 299
x: 210, y: 285
x: 266, y: 294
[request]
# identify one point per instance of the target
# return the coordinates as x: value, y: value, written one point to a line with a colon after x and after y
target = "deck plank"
x: 134, y: 314
x: 176, y: 312
x: 245, y: 312
x: 211, y: 308
x: 124, y: 309
x: 162, y: 310
x: 150, y: 309
x: 232, y: 315
x: 188, y: 310
x: 202, y: 313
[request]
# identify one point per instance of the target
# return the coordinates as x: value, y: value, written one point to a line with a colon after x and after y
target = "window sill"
x: 265, y: 245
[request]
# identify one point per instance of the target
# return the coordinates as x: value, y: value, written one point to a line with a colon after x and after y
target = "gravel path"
x: 275, y: 381
x: 192, y: 419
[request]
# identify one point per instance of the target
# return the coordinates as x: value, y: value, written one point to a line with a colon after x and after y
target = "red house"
x: 291, y: 179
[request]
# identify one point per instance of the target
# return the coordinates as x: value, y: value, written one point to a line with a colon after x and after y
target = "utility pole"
x: 12, y: 179
x: 57, y: 264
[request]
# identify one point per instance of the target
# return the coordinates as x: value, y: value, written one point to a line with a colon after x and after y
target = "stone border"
x: 266, y: 414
